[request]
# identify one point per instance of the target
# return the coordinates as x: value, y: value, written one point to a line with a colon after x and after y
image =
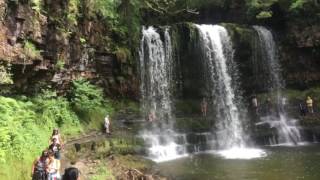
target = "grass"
x: 102, y: 173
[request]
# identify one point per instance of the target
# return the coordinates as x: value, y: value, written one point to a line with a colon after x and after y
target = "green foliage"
x: 5, y: 75
x: 102, y: 173
x: 60, y: 64
x: 86, y: 96
x: 203, y: 3
x: 297, y: 4
x: 25, y: 127
x: 264, y: 15
x: 127, y: 106
x: 73, y: 12
x: 130, y: 21
x: 107, y: 9
x: 89, y: 102
x: 31, y: 51
x: 123, y: 54
x: 296, y: 95
x: 83, y: 40
x: 55, y: 111
x: 260, y: 9
x: 36, y: 5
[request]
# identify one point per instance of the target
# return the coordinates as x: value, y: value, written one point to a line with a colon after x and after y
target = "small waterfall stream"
x: 156, y: 74
x: 288, y: 133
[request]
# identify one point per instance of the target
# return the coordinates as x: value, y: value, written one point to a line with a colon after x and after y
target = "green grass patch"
x: 102, y: 173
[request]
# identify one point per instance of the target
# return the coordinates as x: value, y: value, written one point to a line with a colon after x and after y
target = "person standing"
x: 53, y: 167
x: 309, y: 103
x: 107, y: 124
x: 57, y: 136
x: 55, y: 148
x: 204, y: 107
x: 254, y: 103
x: 268, y: 106
x: 302, y: 109
x: 283, y: 104
x: 71, y: 173
x: 40, y: 167
x: 152, y: 116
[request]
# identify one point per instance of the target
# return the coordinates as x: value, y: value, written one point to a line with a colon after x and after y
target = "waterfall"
x: 218, y: 56
x: 156, y: 77
x: 287, y: 130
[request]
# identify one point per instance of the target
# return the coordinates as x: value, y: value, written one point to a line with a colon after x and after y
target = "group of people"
x: 305, y: 107
x: 47, y: 166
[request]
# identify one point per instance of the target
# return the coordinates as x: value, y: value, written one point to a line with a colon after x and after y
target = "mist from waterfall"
x: 156, y: 78
x: 288, y: 133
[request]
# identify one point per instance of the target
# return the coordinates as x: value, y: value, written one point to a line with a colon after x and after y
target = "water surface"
x: 281, y: 163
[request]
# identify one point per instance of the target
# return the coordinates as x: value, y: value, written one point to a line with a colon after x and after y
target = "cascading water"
x: 218, y: 56
x: 156, y: 74
x: 217, y: 49
x: 288, y: 133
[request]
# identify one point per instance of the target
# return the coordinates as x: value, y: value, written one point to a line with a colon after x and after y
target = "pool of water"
x: 281, y: 163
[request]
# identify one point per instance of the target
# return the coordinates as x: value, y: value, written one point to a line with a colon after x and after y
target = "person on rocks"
x: 204, y: 107
x: 55, y: 147
x: 268, y: 106
x: 107, y: 124
x: 53, y: 167
x: 254, y: 103
x: 71, y: 173
x: 309, y: 103
x: 152, y: 116
x: 302, y: 109
x: 283, y: 104
x: 57, y: 136
x: 40, y: 166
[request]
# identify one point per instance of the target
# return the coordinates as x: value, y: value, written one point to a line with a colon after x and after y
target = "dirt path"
x: 84, y: 164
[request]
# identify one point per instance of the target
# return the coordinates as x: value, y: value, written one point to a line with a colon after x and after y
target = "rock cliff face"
x: 41, y: 47
x: 46, y: 46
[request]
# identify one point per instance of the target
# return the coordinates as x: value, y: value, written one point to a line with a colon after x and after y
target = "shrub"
x: 5, y: 75
x: 86, y: 96
x: 264, y: 15
x: 89, y: 103
x: 36, y: 5
x: 31, y: 51
x: 73, y: 12
x: 297, y: 4
x: 55, y: 111
x: 60, y: 64
x: 25, y: 127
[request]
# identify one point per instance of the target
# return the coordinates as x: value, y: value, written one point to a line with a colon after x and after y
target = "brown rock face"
x: 45, y: 48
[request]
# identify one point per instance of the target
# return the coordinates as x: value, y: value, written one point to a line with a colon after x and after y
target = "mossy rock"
x: 193, y: 124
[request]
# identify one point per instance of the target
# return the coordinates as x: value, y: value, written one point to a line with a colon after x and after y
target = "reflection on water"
x: 282, y: 163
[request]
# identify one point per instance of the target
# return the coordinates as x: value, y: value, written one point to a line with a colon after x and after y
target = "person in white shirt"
x: 107, y: 124
x: 53, y: 167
